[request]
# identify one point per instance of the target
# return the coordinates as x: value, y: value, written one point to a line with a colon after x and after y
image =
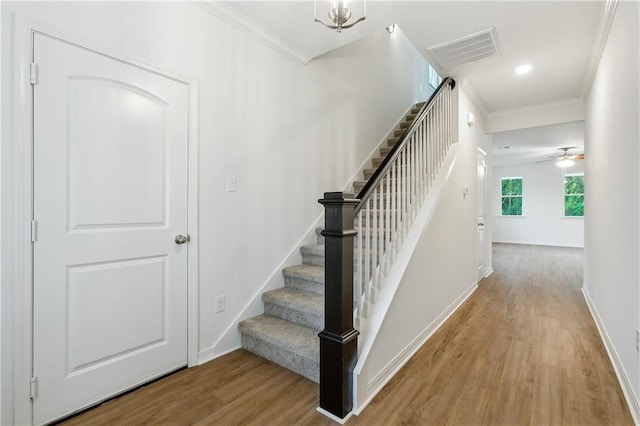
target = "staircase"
x: 287, y: 332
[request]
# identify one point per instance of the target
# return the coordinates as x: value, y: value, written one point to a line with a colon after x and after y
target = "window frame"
x: 575, y: 195
x: 520, y: 196
x: 433, y: 77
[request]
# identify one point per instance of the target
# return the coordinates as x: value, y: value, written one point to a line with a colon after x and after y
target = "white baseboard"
x: 391, y: 369
x: 621, y: 374
x: 210, y: 354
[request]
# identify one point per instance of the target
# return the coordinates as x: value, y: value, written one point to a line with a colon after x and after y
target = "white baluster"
x: 358, y: 269
x: 394, y: 208
x: 373, y: 225
x: 387, y: 223
x: 381, y: 235
x: 366, y: 241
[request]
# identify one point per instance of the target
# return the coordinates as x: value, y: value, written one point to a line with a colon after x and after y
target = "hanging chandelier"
x: 338, y: 12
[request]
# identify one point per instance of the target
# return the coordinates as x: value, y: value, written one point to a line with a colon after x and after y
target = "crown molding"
x: 238, y: 20
x: 598, y: 46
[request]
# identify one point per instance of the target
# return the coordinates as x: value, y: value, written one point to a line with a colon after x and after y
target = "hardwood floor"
x: 522, y: 350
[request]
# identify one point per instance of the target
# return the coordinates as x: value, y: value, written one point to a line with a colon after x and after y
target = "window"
x: 512, y: 196
x: 434, y: 78
x: 574, y: 195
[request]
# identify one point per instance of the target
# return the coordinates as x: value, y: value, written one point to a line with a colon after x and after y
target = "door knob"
x: 181, y: 239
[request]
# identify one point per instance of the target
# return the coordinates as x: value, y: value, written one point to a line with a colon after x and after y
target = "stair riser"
x: 304, y: 285
x: 313, y: 259
x: 313, y: 320
x: 305, y: 367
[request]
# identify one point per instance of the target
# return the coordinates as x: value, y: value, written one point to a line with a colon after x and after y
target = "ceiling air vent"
x: 466, y: 49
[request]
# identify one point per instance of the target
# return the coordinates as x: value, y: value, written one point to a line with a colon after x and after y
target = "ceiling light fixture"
x: 565, y: 162
x: 391, y: 28
x: 523, y: 69
x: 338, y: 13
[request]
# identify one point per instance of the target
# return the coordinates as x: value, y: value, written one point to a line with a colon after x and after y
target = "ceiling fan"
x: 565, y: 159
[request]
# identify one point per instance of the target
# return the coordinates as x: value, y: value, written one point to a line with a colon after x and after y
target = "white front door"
x: 482, y: 194
x: 110, y: 196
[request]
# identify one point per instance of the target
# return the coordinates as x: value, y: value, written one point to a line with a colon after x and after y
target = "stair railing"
x: 390, y: 200
x: 381, y: 216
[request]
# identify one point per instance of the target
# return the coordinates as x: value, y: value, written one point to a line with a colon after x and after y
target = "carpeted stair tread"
x: 305, y: 277
x: 313, y: 254
x: 313, y: 249
x: 285, y: 334
x: 305, y: 272
x: 300, y: 307
x: 287, y: 344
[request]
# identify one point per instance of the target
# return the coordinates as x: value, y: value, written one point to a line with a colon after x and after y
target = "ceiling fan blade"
x: 547, y: 161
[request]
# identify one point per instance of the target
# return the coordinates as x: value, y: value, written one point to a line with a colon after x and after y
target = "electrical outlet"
x: 220, y: 303
x: 231, y: 184
x: 637, y: 340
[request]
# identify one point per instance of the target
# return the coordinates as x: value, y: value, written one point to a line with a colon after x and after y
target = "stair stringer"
x: 363, y: 389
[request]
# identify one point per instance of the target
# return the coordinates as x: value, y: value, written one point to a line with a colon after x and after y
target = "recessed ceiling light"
x: 523, y: 69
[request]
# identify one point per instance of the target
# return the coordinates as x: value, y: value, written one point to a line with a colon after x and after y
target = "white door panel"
x: 125, y: 120
x: 110, y: 195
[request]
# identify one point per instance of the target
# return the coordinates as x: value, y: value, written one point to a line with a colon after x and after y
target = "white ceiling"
x: 543, y: 143
x: 556, y: 37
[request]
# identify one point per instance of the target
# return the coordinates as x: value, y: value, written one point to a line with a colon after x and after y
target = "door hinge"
x: 33, y: 73
x: 33, y: 387
x: 34, y: 231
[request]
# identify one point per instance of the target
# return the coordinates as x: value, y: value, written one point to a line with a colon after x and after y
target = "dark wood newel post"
x: 338, y: 340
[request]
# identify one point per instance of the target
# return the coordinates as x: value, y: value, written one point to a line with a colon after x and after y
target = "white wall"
x: 535, y: 116
x: 612, y: 215
x: 542, y: 221
x: 442, y: 270
x: 288, y: 132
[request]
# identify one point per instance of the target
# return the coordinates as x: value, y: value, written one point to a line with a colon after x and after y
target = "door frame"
x: 487, y: 270
x: 21, y: 269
